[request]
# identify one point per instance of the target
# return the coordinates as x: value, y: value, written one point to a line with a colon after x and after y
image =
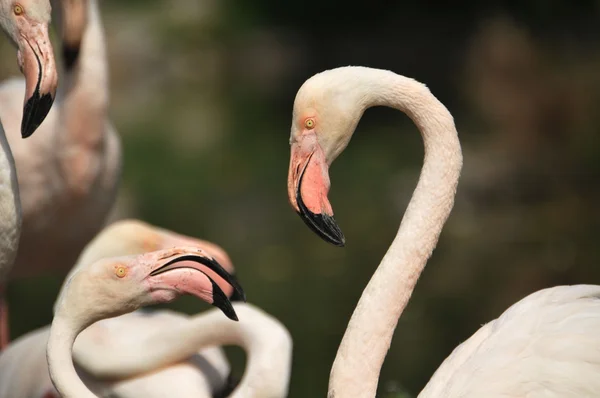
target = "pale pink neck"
x: 355, y: 372
x: 85, y: 100
x: 60, y: 359
x: 266, y: 341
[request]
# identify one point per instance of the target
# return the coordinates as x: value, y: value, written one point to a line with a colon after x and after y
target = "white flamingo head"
x: 26, y: 23
x: 327, y: 109
x: 114, y: 286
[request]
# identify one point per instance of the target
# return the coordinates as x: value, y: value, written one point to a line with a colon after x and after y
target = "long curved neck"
x: 60, y: 359
x: 266, y: 341
x: 355, y: 371
x: 84, y: 104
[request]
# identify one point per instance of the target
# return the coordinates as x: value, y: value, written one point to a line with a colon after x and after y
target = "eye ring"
x: 121, y: 272
x: 18, y: 9
x: 309, y: 123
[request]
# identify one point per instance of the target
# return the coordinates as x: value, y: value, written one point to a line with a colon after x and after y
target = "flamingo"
x: 545, y: 345
x: 128, y: 237
x: 173, y: 355
x: 102, y: 355
x: 124, y: 237
x: 69, y: 172
x: 26, y: 23
x: 119, y: 285
x: 72, y: 180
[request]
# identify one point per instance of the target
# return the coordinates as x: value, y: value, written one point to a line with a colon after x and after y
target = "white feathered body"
x: 544, y: 346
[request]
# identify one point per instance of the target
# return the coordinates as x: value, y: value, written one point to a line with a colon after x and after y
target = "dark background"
x: 202, y: 94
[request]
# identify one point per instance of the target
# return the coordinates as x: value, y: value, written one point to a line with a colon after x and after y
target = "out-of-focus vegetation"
x: 202, y: 93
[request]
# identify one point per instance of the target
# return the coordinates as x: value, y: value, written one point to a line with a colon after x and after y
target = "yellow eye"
x: 121, y: 272
x: 309, y: 123
x: 18, y: 9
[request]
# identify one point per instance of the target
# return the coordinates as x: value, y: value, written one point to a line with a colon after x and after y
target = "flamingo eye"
x: 309, y: 123
x: 121, y: 272
x: 18, y: 9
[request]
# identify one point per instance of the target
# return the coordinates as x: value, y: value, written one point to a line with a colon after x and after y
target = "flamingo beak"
x: 308, y: 186
x: 177, y: 270
x: 236, y: 296
x: 73, y: 23
x: 216, y: 253
x: 36, y: 60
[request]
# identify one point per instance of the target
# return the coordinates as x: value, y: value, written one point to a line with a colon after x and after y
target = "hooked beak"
x: 308, y: 186
x: 216, y: 253
x: 36, y: 60
x: 172, y: 272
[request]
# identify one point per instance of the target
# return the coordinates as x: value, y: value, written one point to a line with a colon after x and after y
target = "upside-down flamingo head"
x: 26, y: 23
x: 114, y: 286
x: 324, y: 119
x: 132, y: 236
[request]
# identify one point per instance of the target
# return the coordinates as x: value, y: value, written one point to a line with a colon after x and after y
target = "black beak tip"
x: 322, y: 224
x: 226, y: 307
x: 228, y: 311
x: 325, y: 226
x: 238, y: 291
x: 35, y: 111
x: 232, y: 316
x: 238, y: 294
x: 341, y: 241
x: 221, y: 301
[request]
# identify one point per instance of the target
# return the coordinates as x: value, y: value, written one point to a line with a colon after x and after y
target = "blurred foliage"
x: 202, y: 93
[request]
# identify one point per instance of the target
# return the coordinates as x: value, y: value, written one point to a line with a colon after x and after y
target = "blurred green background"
x: 202, y: 94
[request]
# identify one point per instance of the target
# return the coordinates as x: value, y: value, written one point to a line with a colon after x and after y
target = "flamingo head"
x: 324, y: 119
x: 26, y: 23
x: 115, y: 286
x: 131, y: 236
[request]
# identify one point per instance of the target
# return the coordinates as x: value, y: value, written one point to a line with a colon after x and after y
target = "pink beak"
x: 36, y: 59
x: 308, y: 187
x: 218, y: 254
x: 176, y: 268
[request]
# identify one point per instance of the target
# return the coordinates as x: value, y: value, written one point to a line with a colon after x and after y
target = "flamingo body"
x: 28, y: 30
x: 116, y: 286
x: 69, y: 172
x: 544, y: 346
